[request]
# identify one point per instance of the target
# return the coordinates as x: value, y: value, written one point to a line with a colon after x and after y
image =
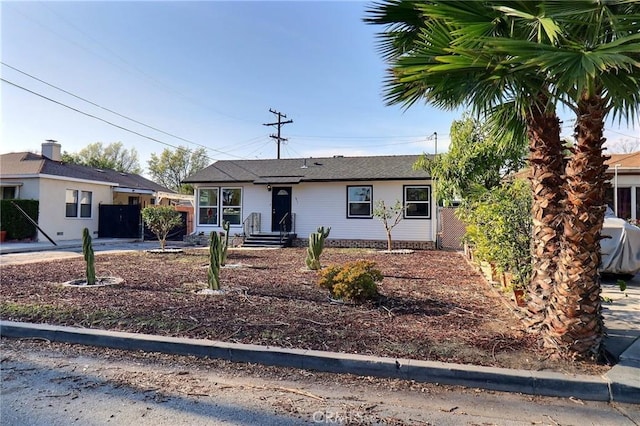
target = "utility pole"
x: 278, y: 123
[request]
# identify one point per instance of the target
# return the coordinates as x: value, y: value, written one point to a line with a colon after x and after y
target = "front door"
x: 281, y: 208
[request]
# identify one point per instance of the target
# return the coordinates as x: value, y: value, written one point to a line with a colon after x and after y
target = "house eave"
x: 57, y: 177
x: 124, y: 190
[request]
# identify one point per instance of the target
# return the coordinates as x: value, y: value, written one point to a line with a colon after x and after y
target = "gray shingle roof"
x: 27, y: 163
x: 293, y: 170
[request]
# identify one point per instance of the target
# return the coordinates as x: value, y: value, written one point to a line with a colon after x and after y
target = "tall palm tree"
x: 594, y: 69
x: 583, y: 53
x: 597, y: 69
x: 438, y: 52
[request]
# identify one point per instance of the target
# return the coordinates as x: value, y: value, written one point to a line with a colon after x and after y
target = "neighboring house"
x: 299, y: 195
x: 624, y: 175
x: 69, y: 194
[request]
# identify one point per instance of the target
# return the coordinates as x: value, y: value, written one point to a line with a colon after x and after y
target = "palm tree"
x: 594, y: 69
x: 597, y: 69
x: 583, y: 53
x: 438, y: 52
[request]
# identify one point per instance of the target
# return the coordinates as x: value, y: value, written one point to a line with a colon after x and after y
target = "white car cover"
x: 620, y: 252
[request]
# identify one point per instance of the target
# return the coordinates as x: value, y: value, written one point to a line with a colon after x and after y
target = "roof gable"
x: 295, y: 170
x: 631, y: 160
x: 26, y: 163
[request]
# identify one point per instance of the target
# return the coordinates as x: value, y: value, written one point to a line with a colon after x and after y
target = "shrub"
x: 161, y: 220
x: 17, y: 226
x: 499, y: 228
x: 354, y: 281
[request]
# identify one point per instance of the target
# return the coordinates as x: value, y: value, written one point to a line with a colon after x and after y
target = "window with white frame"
x: 208, y: 206
x: 232, y: 205
x: 78, y: 203
x: 417, y: 202
x: 359, y: 201
x: 216, y: 204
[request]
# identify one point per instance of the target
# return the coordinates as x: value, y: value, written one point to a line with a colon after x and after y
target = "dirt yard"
x: 434, y: 305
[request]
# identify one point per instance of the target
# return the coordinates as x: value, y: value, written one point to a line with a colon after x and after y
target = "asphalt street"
x: 57, y: 384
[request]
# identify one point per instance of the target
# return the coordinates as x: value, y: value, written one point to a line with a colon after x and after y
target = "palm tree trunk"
x: 546, y: 174
x: 574, y: 324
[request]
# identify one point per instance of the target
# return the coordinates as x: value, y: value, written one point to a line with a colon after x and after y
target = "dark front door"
x: 281, y: 208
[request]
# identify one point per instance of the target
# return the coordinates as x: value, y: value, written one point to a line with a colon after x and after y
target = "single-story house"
x: 298, y: 195
x: 70, y: 194
x: 624, y: 175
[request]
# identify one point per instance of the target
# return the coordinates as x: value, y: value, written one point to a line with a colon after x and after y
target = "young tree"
x: 113, y: 156
x: 172, y: 167
x: 161, y: 220
x: 390, y: 217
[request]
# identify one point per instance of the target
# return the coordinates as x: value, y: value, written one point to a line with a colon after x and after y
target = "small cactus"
x: 225, y: 243
x: 213, y: 274
x: 87, y: 251
x: 316, y: 245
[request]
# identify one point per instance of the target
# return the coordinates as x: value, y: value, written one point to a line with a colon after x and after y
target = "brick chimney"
x: 51, y: 150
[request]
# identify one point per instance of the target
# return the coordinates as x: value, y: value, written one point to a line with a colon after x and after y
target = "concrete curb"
x: 623, y: 389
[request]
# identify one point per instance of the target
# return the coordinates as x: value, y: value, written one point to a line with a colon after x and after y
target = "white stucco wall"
x: 29, y: 190
x: 52, y: 209
x: 325, y: 204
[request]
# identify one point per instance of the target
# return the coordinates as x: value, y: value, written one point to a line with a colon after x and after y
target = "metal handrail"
x: 283, y: 225
x: 250, y: 223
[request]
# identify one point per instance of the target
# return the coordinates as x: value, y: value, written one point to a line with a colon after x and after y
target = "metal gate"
x: 119, y: 221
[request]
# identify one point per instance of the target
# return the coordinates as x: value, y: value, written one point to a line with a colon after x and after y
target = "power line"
x: 109, y: 110
x: 90, y: 115
x: 361, y: 137
x: 132, y: 66
x: 622, y: 134
x: 179, y: 148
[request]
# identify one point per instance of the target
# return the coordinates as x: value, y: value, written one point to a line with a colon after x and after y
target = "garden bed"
x: 434, y: 306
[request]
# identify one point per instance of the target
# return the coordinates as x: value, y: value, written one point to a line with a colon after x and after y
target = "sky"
x: 156, y: 75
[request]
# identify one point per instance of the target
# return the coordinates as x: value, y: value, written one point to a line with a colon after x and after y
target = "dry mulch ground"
x: 434, y: 305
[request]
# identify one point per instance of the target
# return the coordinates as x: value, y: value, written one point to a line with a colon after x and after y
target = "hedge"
x: 11, y: 220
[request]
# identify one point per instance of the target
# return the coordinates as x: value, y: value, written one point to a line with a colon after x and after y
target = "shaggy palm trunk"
x: 574, y: 323
x: 546, y: 170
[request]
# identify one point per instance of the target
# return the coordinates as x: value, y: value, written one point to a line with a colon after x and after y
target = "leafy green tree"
x: 477, y: 157
x: 172, y: 167
x: 161, y: 220
x: 113, y: 156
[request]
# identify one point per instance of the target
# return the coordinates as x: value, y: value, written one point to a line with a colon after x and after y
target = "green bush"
x: 161, y: 220
x: 354, y: 281
x: 499, y: 229
x: 17, y: 226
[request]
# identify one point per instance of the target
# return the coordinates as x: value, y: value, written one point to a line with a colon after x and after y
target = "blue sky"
x: 208, y: 72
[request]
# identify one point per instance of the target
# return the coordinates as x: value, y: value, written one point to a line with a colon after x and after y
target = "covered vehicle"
x: 620, y: 246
